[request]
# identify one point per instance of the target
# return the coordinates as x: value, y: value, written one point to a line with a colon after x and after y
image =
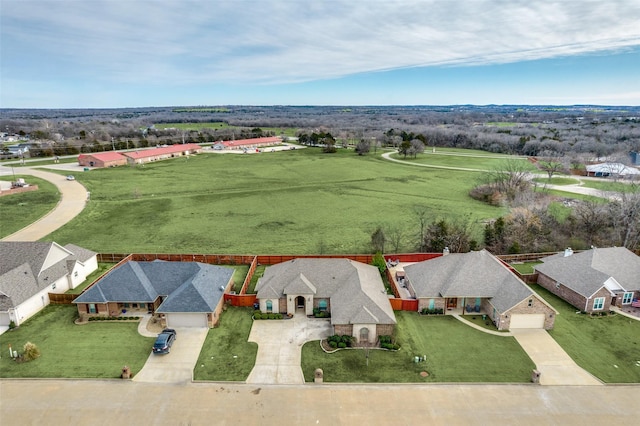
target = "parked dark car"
x: 164, y: 341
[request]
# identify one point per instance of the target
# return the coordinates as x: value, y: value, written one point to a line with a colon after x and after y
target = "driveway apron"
x: 176, y: 366
x: 280, y: 348
x: 555, y: 366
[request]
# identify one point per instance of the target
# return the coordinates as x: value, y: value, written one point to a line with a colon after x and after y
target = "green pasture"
x: 192, y: 126
x: 480, y: 162
x: 298, y: 201
x: 20, y: 210
x: 607, y: 347
x: 98, y: 349
x: 612, y: 186
x: 455, y: 352
x: 558, y: 180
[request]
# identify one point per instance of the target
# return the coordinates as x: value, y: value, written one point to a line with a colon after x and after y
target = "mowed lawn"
x: 299, y: 201
x: 93, y: 350
x: 20, y: 210
x: 454, y: 353
x: 226, y: 354
x: 607, y: 347
x: 478, y: 162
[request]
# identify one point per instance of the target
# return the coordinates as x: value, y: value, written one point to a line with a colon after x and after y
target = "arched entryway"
x: 364, y: 335
x: 300, y: 303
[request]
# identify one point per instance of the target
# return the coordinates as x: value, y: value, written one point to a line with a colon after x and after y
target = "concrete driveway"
x: 555, y: 366
x: 280, y: 348
x: 176, y: 366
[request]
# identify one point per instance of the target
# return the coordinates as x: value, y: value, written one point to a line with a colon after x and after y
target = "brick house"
x: 477, y: 283
x: 162, y: 153
x: 592, y: 280
x: 182, y: 294
x: 352, y: 292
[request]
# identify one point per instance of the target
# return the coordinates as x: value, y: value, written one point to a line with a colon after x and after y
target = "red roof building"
x: 163, y: 153
x: 251, y: 143
x: 102, y: 159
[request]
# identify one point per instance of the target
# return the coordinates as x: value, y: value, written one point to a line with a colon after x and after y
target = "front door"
x: 300, y: 302
x: 452, y: 303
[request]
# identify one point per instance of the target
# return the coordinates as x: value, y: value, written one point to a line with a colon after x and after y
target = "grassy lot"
x: 192, y: 126
x: 611, y: 186
x: 557, y: 181
x: 102, y: 268
x: 607, y: 347
x: 298, y: 201
x: 571, y: 195
x: 96, y: 349
x: 48, y: 161
x: 455, y: 353
x: 20, y: 210
x: 525, y: 267
x: 480, y: 162
x: 226, y: 355
x: 239, y: 275
x: 257, y: 274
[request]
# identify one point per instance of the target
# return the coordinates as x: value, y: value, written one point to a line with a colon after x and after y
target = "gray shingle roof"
x: 27, y: 267
x: 355, y: 289
x: 186, y: 286
x: 474, y: 274
x: 586, y: 272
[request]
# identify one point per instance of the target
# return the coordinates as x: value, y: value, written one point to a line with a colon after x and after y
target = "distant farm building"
x: 102, y: 159
x: 612, y: 170
x: 244, y: 144
x: 163, y: 153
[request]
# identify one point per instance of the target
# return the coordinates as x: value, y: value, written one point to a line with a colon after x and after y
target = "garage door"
x: 186, y: 320
x: 527, y: 321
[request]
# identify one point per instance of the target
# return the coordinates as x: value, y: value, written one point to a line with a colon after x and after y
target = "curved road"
x: 73, y: 198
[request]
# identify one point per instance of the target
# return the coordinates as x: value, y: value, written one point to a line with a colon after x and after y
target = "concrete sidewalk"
x: 280, y: 348
x: 555, y: 366
x: 72, y: 201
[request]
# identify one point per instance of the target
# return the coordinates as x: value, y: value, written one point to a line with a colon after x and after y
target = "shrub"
x: 342, y: 345
x: 257, y: 315
x: 333, y: 344
x: 396, y: 346
x: 12, y: 325
x: 31, y: 351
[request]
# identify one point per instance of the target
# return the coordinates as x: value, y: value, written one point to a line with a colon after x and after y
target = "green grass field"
x: 226, y: 355
x: 612, y: 186
x: 299, y: 201
x: 607, y: 347
x: 558, y: 180
x: 20, y: 210
x: 93, y: 350
x: 455, y: 353
x: 102, y: 268
x: 192, y: 126
x: 479, y: 162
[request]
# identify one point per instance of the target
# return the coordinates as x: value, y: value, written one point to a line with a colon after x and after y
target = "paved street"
x: 72, y: 402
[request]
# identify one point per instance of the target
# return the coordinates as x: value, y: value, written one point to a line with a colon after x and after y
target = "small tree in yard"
x: 31, y: 351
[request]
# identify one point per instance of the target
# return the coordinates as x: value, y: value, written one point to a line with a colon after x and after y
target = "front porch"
x: 128, y: 309
x: 464, y: 306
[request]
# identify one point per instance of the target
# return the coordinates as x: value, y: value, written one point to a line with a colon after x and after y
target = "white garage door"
x: 186, y: 320
x: 527, y: 321
x: 4, y: 318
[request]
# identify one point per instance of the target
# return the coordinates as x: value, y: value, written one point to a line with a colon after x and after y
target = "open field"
x: 480, y: 162
x: 226, y: 355
x: 95, y: 350
x: 299, y: 201
x: 612, y: 186
x: 20, y: 210
x: 192, y: 126
x: 455, y: 353
x: 607, y: 347
x: 557, y: 180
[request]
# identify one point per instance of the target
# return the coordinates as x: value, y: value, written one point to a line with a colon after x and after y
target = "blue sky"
x: 128, y: 53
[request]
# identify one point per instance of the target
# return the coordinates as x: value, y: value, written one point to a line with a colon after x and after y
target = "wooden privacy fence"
x: 240, y: 299
x: 62, y: 298
x: 249, y: 277
x: 404, y: 304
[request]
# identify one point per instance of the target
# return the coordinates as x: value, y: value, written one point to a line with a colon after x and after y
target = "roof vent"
x: 222, y: 287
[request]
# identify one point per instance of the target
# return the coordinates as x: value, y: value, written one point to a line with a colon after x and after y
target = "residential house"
x: 477, y: 283
x: 183, y: 294
x: 592, y: 280
x: 352, y: 292
x: 29, y: 271
x: 102, y: 159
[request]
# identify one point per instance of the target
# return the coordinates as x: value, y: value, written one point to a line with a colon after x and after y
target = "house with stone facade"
x: 592, y: 280
x: 29, y: 271
x: 477, y: 283
x: 182, y: 294
x: 352, y: 292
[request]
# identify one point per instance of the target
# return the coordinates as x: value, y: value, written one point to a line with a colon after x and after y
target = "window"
x: 142, y: 305
x: 269, y: 306
x: 126, y: 305
x: 92, y: 308
x: 432, y: 303
x: 530, y: 302
x: 322, y: 305
x: 627, y: 298
x: 598, y: 303
x: 53, y: 286
x: 75, y: 274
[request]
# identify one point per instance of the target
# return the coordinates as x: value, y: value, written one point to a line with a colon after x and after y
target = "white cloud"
x: 290, y: 41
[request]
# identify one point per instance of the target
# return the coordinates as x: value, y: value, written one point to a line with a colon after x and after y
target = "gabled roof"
x: 104, y: 156
x: 249, y: 142
x: 355, y: 289
x: 145, y: 153
x: 186, y: 286
x: 27, y: 267
x: 473, y: 274
x: 588, y: 271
